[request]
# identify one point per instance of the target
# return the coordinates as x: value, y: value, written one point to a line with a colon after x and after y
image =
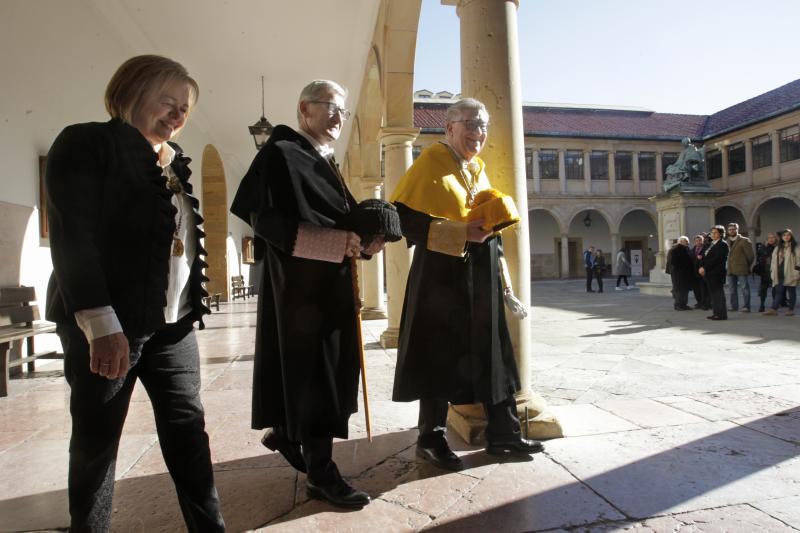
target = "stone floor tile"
x: 527, y: 496
x: 584, y: 419
x: 785, y: 425
x: 789, y: 392
x: 319, y: 517
x: 647, y: 413
x: 784, y: 509
x: 732, y: 519
x: 9, y: 439
x: 744, y: 402
x: 709, y: 412
x: 683, y: 468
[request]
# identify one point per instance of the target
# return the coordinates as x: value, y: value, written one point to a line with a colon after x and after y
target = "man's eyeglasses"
x: 475, y: 125
x: 333, y: 109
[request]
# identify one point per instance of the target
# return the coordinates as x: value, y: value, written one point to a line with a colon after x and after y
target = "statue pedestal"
x: 682, y: 211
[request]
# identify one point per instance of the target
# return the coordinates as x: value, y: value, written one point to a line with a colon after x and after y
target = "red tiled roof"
x: 540, y: 120
x: 564, y: 122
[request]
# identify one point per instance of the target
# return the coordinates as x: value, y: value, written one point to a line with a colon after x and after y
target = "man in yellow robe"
x: 454, y: 344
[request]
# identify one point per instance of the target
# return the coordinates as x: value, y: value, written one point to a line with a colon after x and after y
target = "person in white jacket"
x: 785, y: 270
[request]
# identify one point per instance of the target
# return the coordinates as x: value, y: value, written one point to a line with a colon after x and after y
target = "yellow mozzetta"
x: 497, y: 210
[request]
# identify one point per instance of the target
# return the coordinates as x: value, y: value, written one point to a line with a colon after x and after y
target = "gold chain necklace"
x: 469, y: 173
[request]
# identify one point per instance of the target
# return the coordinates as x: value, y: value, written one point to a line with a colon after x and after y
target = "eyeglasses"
x: 474, y: 125
x: 333, y: 109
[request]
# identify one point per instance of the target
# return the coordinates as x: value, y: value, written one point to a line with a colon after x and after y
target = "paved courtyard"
x: 672, y: 423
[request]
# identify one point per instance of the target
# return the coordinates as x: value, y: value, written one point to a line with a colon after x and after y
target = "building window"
x: 736, y: 158
x: 647, y: 166
x: 573, y: 164
x: 528, y: 163
x: 667, y: 158
x: 714, y: 164
x: 790, y: 143
x: 548, y: 164
x: 598, y: 165
x: 623, y: 166
x: 762, y: 151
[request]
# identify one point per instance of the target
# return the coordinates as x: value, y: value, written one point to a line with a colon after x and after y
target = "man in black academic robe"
x: 305, y: 376
x: 714, y: 269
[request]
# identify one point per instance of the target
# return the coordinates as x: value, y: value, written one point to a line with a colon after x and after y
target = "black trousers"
x: 700, y: 290
x: 167, y: 363
x: 763, y: 288
x: 589, y: 276
x: 716, y: 289
x: 502, y: 419
x: 622, y: 278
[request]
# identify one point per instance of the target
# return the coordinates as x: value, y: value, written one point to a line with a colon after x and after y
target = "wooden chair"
x: 17, y: 317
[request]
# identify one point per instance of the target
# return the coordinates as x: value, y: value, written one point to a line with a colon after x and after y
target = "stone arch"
x: 633, y: 234
x: 730, y: 212
x: 215, y: 213
x: 783, y: 212
x: 650, y: 211
x: 546, y: 229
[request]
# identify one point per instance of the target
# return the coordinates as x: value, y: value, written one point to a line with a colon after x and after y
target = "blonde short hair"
x: 140, y: 77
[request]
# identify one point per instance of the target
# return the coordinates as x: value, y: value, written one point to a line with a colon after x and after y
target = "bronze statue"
x: 689, y: 167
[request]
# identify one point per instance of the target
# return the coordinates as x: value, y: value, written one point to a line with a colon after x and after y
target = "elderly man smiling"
x: 454, y: 344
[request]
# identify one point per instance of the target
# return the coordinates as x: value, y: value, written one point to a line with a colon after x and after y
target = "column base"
x: 389, y: 338
x: 469, y: 421
x: 372, y: 313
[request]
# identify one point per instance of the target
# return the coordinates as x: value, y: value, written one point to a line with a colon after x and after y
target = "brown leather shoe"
x: 275, y: 439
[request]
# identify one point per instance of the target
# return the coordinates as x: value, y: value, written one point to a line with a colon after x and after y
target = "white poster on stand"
x: 636, y: 262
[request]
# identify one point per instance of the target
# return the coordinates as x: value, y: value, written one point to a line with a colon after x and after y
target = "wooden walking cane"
x: 357, y: 309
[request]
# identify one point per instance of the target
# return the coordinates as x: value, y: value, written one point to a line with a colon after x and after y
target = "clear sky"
x: 671, y: 57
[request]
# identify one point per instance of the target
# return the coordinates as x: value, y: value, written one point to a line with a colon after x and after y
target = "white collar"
x: 166, y: 155
x: 325, y: 150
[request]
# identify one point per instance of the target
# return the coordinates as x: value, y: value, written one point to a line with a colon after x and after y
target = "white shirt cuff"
x: 98, y: 322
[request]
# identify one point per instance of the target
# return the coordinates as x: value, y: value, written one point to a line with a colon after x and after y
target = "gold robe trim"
x: 447, y: 237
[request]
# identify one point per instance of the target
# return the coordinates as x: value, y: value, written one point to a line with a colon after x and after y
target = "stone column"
x: 659, y: 171
x: 490, y: 73
x: 723, y: 152
x: 614, y: 249
x: 397, y: 153
x: 537, y: 173
x: 587, y: 171
x: 612, y: 173
x: 776, y: 154
x: 562, y: 172
x: 372, y: 270
x: 564, y: 256
x: 635, y: 172
x: 748, y: 161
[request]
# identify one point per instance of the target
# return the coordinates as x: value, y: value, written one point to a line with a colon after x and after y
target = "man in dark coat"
x: 681, y: 271
x: 305, y: 375
x: 454, y: 344
x: 714, y: 269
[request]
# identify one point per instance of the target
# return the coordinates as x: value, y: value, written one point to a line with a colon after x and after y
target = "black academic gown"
x: 454, y: 343
x: 305, y: 375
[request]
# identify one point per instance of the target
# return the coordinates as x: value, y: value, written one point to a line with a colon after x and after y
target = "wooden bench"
x: 17, y: 317
x: 239, y: 289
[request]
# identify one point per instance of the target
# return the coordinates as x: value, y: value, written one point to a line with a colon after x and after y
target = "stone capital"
x: 370, y: 181
x: 392, y: 135
x: 462, y: 3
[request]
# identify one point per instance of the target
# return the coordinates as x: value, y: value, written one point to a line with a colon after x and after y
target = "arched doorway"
x: 589, y: 227
x: 545, y: 243
x: 774, y: 215
x: 215, y: 213
x: 727, y: 214
x: 638, y: 231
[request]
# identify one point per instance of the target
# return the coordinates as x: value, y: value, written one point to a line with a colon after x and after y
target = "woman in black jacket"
x: 126, y: 288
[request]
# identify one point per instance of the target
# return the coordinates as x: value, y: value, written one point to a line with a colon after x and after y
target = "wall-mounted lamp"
x: 587, y: 220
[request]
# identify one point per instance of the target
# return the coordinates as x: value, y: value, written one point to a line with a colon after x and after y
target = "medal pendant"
x: 177, y: 247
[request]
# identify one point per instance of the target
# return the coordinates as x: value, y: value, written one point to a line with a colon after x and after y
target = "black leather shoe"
x: 338, y: 493
x: 441, y: 456
x: 514, y: 447
x: 276, y: 440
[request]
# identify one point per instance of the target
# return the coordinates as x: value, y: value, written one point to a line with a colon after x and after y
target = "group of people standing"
x: 715, y: 258
x: 595, y: 263
x: 127, y: 290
